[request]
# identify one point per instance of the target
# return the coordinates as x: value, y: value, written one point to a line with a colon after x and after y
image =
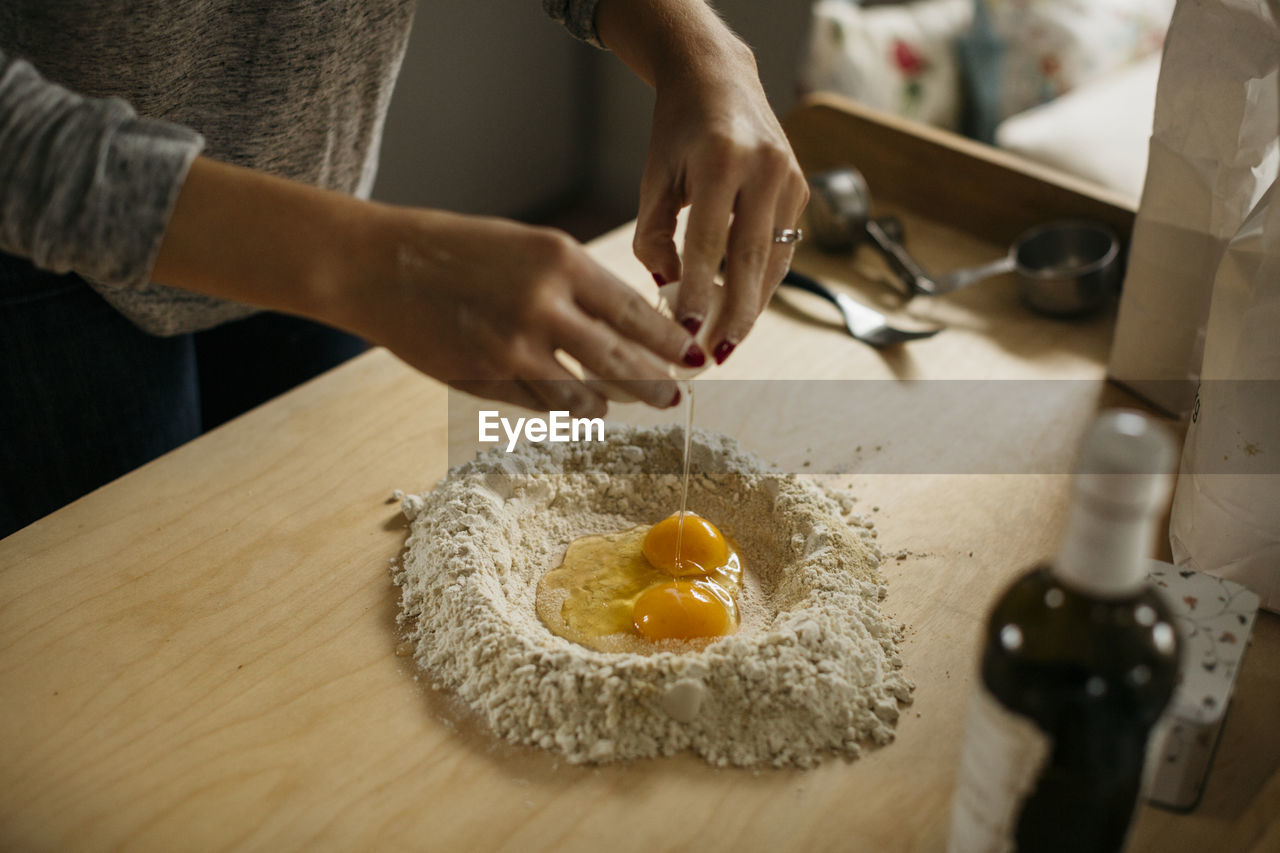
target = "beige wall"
x: 482, y: 120
x: 776, y: 31
x: 486, y: 117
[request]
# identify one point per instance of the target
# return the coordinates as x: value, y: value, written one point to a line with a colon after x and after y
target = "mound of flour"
x: 813, y: 671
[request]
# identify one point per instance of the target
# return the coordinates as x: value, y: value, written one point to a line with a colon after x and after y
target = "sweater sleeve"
x: 86, y: 185
x: 578, y: 17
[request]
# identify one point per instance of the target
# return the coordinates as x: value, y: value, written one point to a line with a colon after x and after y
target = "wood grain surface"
x: 201, y: 655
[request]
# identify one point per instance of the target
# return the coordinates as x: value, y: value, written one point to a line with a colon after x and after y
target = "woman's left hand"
x: 717, y: 148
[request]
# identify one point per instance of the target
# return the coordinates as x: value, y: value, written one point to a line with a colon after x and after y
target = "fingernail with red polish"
x: 675, y: 401
x: 658, y: 279
x: 722, y: 351
x: 694, y: 356
x: 693, y: 324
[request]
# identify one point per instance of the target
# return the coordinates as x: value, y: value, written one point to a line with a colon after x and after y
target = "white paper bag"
x: 1213, y: 153
x: 1226, y: 507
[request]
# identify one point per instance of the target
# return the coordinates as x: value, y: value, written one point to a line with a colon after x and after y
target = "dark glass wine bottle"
x: 1079, y: 662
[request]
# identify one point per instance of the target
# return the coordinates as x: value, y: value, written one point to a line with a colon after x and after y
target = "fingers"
x: 553, y: 389
x: 622, y: 364
x: 737, y: 199
x: 560, y: 390
x: 626, y: 312
x: 506, y: 390
x: 611, y: 390
x: 621, y: 342
x: 791, y: 204
x: 750, y: 248
x: 755, y: 263
x: 654, y: 244
x: 705, y: 240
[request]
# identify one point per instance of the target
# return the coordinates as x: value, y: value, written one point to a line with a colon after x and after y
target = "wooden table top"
x: 201, y: 655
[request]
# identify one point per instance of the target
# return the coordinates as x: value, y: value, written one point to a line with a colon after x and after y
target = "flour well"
x: 813, y: 670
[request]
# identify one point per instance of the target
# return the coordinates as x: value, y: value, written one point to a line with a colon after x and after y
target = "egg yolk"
x: 593, y: 597
x: 701, y: 547
x: 684, y: 610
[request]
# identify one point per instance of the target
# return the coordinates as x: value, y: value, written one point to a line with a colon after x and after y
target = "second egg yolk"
x: 702, y: 547
x: 620, y: 591
x: 684, y: 610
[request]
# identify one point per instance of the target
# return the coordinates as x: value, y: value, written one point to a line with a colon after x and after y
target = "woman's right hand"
x: 481, y: 303
x: 485, y: 303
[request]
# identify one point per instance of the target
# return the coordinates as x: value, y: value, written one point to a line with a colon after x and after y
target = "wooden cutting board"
x: 202, y: 654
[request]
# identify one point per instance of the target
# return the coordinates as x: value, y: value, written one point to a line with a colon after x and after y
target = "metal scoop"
x: 840, y: 218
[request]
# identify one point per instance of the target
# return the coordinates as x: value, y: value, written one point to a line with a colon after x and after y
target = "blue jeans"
x: 85, y: 396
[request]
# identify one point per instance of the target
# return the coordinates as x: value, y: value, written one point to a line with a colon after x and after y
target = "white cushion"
x: 1053, y: 46
x: 1099, y: 131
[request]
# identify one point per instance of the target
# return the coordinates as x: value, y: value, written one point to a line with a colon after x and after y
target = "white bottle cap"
x: 1122, y: 482
x: 1125, y: 461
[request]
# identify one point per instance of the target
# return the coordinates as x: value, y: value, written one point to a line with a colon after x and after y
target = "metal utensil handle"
x: 892, y: 227
x: 906, y: 267
x: 972, y: 275
x: 803, y: 282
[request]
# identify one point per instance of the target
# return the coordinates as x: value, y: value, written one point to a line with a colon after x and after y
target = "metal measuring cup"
x: 1063, y: 269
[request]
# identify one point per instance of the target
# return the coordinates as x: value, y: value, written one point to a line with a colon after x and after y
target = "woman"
x: 171, y: 167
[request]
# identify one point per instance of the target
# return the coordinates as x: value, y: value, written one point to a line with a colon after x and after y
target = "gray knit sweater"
x: 105, y: 103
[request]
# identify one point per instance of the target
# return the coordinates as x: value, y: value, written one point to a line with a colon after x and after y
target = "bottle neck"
x: 1105, y: 548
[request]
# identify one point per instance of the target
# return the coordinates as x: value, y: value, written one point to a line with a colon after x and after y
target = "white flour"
x: 814, y: 669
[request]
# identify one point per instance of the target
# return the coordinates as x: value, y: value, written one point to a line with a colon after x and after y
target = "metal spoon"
x: 864, y: 323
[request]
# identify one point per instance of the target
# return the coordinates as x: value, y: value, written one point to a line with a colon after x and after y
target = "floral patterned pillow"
x: 896, y: 58
x: 1053, y: 46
